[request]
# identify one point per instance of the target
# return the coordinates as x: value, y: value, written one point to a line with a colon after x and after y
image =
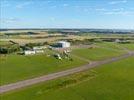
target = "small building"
x: 63, y: 44
x: 29, y: 52
x: 39, y: 47
x: 39, y: 51
x: 117, y: 40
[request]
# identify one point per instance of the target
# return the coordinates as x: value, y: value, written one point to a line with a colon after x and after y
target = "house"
x: 63, y: 44
x: 29, y: 52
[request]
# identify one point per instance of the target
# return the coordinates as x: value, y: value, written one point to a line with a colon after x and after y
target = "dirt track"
x: 21, y: 84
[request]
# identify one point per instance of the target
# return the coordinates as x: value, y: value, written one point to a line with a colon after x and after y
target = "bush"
x: 9, y: 49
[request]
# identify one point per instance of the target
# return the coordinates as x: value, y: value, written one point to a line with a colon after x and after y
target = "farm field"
x: 18, y: 67
x: 109, y: 82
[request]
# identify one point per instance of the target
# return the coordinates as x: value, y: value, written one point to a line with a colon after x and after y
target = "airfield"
x: 107, y: 81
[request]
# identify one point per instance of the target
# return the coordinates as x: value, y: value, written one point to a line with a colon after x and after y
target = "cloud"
x: 127, y: 13
x: 131, y: 8
x: 47, y: 1
x: 118, y: 9
x: 86, y: 10
x: 117, y: 2
x: 52, y: 19
x: 65, y: 5
x: 54, y: 6
x: 22, y: 5
x: 101, y: 9
x: 4, y: 3
x: 9, y: 20
x: 44, y: 2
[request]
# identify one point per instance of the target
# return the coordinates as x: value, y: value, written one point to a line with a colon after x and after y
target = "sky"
x: 102, y: 14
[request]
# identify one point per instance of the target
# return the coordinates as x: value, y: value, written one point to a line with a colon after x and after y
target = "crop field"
x: 19, y: 67
x: 109, y: 82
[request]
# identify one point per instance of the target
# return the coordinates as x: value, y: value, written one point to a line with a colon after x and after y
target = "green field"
x: 5, y: 43
x: 19, y: 67
x: 117, y: 46
x: 97, y: 53
x: 108, y: 82
x: 128, y: 46
x: 111, y: 82
x: 110, y: 45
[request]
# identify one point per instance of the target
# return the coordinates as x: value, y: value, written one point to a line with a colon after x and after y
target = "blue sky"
x: 112, y: 14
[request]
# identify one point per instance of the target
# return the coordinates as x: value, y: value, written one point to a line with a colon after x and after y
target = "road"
x: 21, y: 84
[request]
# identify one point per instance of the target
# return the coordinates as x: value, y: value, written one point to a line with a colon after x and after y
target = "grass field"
x: 118, y: 46
x: 4, y: 43
x: 128, y: 46
x: 111, y: 82
x: 16, y: 67
x: 111, y: 45
x: 97, y: 53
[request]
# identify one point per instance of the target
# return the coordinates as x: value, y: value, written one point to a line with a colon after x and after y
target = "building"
x: 117, y: 40
x: 39, y: 47
x: 63, y: 44
x: 29, y: 52
x: 39, y: 51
